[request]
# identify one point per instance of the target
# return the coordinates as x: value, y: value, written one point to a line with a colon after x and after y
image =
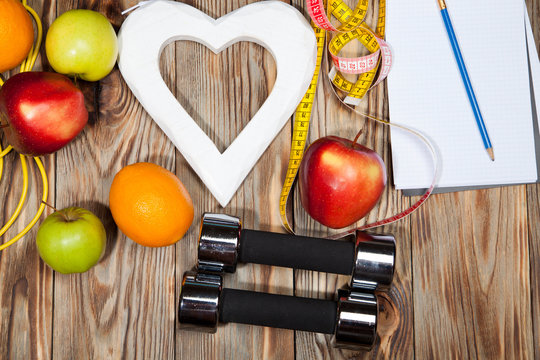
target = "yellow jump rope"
x: 26, y: 65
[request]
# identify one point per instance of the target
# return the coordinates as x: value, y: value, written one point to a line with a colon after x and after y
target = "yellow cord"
x: 40, y: 210
x: 22, y: 198
x: 5, y: 152
x: 1, y: 163
x: 27, y: 65
x: 32, y: 56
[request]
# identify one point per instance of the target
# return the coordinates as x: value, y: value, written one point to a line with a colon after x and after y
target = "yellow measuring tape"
x: 351, y: 21
x: 302, y: 117
x: 361, y: 32
x: 358, y: 89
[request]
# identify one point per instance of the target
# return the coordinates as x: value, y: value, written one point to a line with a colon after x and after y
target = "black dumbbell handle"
x: 279, y: 311
x: 298, y: 252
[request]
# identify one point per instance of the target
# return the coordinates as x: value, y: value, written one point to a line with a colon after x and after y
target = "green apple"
x: 82, y: 43
x: 71, y: 240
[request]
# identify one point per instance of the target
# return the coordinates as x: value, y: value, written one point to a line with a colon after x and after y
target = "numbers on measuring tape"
x: 302, y: 117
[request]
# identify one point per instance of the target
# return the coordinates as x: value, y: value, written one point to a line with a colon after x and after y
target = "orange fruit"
x: 150, y: 205
x: 16, y: 34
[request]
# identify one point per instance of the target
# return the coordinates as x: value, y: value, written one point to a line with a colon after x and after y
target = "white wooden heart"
x: 276, y: 26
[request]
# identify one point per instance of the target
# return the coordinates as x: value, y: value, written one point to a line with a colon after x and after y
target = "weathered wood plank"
x: 533, y: 202
x: 26, y: 283
x: 124, y: 307
x: 222, y: 92
x: 471, y: 276
x: 395, y: 320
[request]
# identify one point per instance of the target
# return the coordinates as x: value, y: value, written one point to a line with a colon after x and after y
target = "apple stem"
x: 357, y: 136
x: 49, y: 205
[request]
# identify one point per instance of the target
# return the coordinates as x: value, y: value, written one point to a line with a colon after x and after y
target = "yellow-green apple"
x: 41, y: 112
x: 340, y: 181
x: 71, y: 240
x: 82, y: 43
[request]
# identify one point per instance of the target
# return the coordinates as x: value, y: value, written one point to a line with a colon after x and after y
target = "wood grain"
x: 533, y: 201
x: 471, y: 276
x: 467, y: 281
x: 26, y: 283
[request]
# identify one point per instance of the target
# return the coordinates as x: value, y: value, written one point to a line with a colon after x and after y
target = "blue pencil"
x: 466, y: 80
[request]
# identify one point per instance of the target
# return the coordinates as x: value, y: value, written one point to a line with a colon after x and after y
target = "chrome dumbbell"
x: 351, y: 318
x: 368, y: 258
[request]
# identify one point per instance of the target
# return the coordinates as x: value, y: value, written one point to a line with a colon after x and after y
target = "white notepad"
x: 426, y: 93
x: 534, y: 65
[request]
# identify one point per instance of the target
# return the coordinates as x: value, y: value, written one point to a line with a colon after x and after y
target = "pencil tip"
x: 490, y: 153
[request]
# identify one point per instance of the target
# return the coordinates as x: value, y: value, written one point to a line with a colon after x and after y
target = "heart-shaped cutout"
x: 276, y: 26
x: 221, y: 92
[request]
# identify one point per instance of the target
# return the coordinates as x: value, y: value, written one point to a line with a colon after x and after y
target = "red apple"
x: 340, y: 181
x: 44, y: 111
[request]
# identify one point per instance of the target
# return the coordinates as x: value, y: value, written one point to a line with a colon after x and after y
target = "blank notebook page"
x: 426, y: 92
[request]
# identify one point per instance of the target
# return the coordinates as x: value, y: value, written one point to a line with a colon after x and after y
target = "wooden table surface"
x: 467, y: 282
